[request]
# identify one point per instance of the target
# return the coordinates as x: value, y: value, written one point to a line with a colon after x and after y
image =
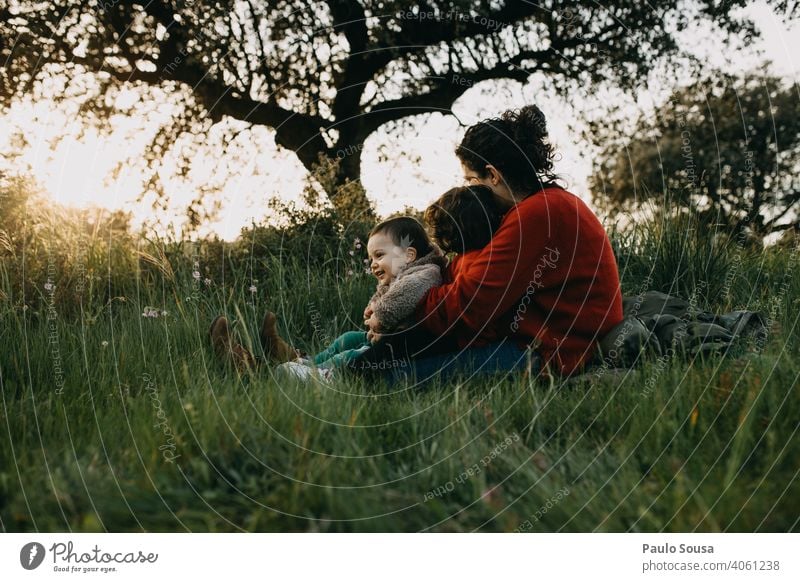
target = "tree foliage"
x: 323, y: 75
x: 726, y: 148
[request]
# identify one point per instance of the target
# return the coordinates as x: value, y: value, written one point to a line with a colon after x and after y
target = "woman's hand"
x: 368, y: 313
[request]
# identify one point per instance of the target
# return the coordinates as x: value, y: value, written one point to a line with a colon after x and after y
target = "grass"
x: 150, y: 433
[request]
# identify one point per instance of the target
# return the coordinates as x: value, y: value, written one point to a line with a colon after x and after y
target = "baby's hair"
x: 464, y: 219
x: 405, y: 231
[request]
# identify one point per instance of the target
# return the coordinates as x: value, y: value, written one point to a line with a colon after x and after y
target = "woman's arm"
x: 516, y: 261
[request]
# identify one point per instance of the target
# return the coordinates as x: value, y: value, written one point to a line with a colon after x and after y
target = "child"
x: 463, y: 221
x: 405, y: 263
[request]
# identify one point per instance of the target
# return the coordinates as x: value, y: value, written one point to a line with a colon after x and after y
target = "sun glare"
x: 74, y: 164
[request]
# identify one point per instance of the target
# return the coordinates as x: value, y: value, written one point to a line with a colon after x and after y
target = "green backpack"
x: 658, y: 325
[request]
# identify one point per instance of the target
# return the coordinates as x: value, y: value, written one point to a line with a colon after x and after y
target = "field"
x: 115, y: 420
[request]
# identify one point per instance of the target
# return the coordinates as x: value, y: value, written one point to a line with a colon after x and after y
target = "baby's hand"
x: 372, y: 322
x: 368, y: 313
x: 373, y: 337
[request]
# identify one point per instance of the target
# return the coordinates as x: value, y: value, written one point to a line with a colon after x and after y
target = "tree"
x: 325, y: 75
x: 727, y: 149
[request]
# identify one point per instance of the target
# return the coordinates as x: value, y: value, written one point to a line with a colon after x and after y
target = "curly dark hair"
x: 515, y: 143
x: 464, y: 219
x: 405, y: 230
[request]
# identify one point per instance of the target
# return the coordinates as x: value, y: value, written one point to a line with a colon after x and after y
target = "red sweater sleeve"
x: 548, y: 277
x: 492, y: 281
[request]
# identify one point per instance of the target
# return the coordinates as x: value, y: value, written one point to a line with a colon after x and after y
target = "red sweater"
x: 548, y: 278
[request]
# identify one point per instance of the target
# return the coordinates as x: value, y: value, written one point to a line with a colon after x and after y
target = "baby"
x: 406, y: 265
x: 462, y: 221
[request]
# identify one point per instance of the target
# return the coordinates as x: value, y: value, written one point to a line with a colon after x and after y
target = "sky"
x: 73, y: 165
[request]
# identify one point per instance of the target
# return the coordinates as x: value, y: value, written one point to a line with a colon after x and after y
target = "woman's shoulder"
x: 549, y: 201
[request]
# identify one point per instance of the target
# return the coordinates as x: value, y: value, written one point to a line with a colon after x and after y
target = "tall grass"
x: 151, y: 433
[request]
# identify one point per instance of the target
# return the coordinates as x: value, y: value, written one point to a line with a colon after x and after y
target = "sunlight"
x: 74, y: 164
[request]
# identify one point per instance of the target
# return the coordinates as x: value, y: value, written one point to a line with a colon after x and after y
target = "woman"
x: 548, y: 279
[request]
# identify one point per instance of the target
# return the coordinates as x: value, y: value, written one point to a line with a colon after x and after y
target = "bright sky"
x: 75, y: 168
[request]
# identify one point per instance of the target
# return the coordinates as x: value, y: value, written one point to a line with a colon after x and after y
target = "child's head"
x: 395, y: 243
x: 464, y: 219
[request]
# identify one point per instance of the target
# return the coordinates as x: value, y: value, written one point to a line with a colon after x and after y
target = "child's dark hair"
x: 516, y: 144
x: 464, y: 219
x: 405, y: 231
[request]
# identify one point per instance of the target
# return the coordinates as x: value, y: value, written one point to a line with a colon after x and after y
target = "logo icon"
x: 31, y: 555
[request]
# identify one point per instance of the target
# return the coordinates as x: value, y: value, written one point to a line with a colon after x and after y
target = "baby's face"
x: 386, y: 257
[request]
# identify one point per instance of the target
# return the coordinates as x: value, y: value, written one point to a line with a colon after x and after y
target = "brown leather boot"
x: 275, y: 347
x: 226, y: 349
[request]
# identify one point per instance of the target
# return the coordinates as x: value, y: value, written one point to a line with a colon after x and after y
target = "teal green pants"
x: 344, y: 349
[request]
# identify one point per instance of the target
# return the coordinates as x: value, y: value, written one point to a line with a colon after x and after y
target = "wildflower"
x: 164, y: 313
x: 252, y: 289
x: 49, y: 286
x: 150, y: 312
x: 356, y: 241
x: 104, y: 343
x: 358, y: 246
x: 350, y: 272
x: 352, y: 253
x: 207, y: 281
x: 196, y: 275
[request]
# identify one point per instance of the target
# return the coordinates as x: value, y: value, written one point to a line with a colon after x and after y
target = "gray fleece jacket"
x: 394, y: 303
